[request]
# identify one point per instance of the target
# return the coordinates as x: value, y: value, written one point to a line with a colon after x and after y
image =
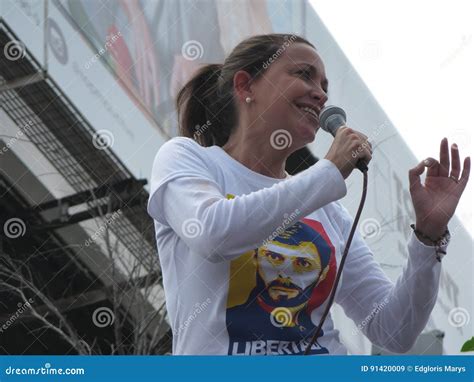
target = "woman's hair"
x: 205, y: 104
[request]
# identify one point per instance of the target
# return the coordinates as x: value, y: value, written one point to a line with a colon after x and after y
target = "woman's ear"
x: 242, y: 85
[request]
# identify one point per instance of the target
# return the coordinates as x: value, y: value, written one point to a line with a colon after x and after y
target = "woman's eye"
x: 305, y: 73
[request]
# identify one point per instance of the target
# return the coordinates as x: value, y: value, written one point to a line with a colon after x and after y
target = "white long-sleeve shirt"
x: 249, y: 261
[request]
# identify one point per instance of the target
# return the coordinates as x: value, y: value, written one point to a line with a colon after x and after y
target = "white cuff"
x: 422, y: 254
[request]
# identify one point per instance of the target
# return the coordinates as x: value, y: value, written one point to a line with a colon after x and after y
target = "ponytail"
x: 201, y: 103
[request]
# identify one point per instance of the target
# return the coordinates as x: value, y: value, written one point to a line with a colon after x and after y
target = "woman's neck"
x: 257, y: 155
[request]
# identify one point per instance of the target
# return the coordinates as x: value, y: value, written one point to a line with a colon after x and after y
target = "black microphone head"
x: 332, y: 118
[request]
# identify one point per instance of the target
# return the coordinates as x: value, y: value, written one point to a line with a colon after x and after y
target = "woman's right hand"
x: 347, y: 148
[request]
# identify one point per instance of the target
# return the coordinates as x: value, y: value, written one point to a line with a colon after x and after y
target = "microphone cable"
x: 341, y: 266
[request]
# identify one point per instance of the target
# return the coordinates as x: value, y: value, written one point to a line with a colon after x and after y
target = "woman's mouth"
x: 308, y: 113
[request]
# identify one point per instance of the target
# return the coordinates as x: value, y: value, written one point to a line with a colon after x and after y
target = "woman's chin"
x: 306, y: 131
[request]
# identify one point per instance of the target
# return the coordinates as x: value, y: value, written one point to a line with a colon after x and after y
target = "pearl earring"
x: 248, y: 99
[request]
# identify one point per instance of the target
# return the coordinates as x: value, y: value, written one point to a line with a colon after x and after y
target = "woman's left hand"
x: 436, y: 200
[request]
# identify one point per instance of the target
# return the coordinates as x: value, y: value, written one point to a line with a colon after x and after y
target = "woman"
x: 249, y: 254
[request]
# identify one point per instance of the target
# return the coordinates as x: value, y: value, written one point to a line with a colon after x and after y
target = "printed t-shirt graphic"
x: 274, y: 288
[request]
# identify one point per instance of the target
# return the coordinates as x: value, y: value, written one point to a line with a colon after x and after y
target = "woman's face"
x: 296, y: 79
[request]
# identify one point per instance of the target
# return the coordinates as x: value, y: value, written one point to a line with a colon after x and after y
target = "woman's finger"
x: 367, y: 154
x: 433, y: 167
x: 414, y: 175
x: 465, y: 171
x: 444, y: 158
x: 370, y: 145
x: 455, y: 162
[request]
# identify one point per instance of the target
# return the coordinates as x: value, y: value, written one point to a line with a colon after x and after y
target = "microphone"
x: 330, y: 120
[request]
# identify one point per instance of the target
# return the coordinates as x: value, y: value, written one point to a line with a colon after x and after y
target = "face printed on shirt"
x: 274, y: 289
x: 287, y: 270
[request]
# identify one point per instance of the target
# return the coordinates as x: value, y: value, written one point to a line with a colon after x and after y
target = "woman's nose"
x: 320, y: 95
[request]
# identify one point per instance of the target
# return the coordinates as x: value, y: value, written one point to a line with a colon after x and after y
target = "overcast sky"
x: 417, y: 58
